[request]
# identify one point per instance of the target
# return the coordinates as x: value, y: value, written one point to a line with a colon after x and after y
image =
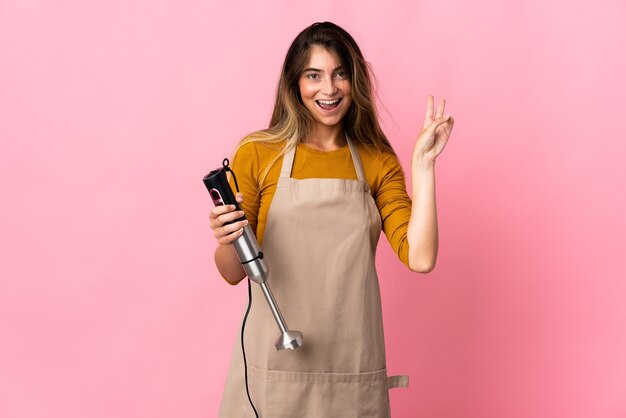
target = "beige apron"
x: 319, y: 244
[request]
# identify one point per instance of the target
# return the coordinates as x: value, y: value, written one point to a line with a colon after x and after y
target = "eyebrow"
x: 319, y: 71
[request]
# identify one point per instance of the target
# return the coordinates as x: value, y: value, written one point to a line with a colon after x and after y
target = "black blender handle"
x: 220, y: 191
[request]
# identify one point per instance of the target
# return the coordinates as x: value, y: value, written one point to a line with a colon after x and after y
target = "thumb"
x: 438, y: 122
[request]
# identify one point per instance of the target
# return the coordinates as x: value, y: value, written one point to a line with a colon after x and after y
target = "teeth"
x: 328, y: 102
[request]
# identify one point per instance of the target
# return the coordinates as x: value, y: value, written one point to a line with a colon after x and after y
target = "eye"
x: 341, y: 74
x: 312, y: 76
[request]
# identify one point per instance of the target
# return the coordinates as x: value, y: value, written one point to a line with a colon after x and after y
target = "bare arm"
x: 226, y: 258
x: 422, y: 234
x: 228, y: 264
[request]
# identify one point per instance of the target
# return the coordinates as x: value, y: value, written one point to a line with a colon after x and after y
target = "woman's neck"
x: 326, y: 138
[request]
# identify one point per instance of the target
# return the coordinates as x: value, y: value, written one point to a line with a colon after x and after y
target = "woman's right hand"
x: 226, y: 234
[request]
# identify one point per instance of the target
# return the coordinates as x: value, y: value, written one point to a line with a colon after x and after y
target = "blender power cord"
x: 243, y: 350
x: 226, y: 163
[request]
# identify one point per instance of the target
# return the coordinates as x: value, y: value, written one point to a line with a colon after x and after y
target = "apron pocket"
x: 287, y: 394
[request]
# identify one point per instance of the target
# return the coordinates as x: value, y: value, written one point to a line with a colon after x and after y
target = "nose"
x: 330, y: 87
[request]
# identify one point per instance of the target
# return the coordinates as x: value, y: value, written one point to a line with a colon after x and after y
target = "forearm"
x: 228, y: 263
x: 422, y: 231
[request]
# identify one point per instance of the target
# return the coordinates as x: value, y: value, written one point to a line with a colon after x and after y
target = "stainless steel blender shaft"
x: 252, y: 262
x: 288, y: 339
x: 275, y: 311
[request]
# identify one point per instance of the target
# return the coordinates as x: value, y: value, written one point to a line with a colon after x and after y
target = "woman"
x: 319, y: 184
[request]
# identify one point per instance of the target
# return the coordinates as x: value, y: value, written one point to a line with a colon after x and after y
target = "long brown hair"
x: 291, y: 121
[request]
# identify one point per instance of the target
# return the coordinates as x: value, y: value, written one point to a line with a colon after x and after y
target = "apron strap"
x: 356, y: 159
x: 401, y: 381
x: 285, y: 170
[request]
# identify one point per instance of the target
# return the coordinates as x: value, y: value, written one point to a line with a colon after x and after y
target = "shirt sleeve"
x: 245, y: 164
x: 394, y: 205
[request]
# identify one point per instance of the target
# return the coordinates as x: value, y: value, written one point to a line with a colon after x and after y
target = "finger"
x: 429, y: 109
x: 448, y: 126
x: 225, y: 218
x: 220, y: 210
x: 230, y: 237
x: 230, y: 228
x: 442, y: 105
x: 230, y: 216
x: 437, y: 123
x: 239, y: 197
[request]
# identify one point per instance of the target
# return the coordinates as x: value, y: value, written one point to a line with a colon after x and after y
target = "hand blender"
x: 249, y: 253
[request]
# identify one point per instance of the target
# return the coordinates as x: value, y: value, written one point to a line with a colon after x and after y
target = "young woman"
x: 319, y: 184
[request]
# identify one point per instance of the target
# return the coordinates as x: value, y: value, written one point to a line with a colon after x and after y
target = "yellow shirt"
x: 383, y: 173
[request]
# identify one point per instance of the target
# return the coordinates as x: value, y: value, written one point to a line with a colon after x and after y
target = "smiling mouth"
x: 328, y: 104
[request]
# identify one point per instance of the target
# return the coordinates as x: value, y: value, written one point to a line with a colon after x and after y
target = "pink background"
x: 111, y: 113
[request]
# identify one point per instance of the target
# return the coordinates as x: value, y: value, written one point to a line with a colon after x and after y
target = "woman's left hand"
x: 434, y: 134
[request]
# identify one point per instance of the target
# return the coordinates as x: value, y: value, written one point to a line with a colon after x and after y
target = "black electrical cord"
x: 225, y: 164
x: 243, y: 350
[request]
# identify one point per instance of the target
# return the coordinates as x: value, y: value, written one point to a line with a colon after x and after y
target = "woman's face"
x: 325, y: 87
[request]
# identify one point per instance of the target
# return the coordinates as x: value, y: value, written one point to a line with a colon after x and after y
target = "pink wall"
x: 111, y: 112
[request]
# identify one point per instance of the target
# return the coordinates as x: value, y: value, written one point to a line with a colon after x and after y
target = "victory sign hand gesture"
x: 434, y: 134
